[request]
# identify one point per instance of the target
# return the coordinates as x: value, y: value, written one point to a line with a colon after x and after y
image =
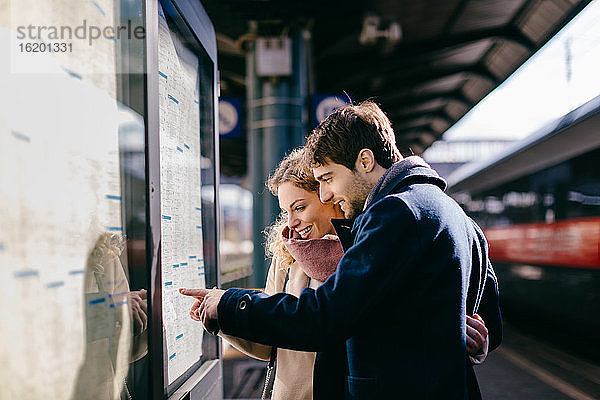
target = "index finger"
x: 198, y: 293
x: 477, y: 324
x: 144, y: 306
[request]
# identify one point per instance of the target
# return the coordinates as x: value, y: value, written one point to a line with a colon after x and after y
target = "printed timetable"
x: 181, y: 204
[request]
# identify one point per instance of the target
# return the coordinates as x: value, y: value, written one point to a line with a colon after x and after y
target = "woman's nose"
x: 292, y: 221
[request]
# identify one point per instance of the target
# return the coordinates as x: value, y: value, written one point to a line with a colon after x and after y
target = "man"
x: 416, y: 265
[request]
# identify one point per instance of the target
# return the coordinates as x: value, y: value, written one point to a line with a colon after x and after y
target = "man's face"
x: 339, y: 185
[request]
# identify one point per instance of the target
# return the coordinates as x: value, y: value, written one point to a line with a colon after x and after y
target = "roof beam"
x: 409, y: 135
x: 403, y: 118
x: 420, y: 76
x: 410, y: 99
x: 507, y: 33
x: 460, y: 8
x: 417, y: 128
x: 406, y: 52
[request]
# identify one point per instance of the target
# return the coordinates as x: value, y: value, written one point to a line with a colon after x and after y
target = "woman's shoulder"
x: 278, y: 274
x: 288, y: 276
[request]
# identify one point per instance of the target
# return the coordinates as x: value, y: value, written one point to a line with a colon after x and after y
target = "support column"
x: 255, y: 164
x: 276, y: 125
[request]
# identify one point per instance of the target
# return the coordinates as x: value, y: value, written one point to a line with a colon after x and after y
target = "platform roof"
x: 450, y: 54
x: 562, y: 139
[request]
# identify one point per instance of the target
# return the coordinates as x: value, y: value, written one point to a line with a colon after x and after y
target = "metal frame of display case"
x: 203, y: 379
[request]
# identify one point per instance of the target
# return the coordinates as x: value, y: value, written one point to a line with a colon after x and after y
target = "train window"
x: 584, y: 200
x: 493, y: 205
x: 567, y: 190
x: 583, y: 192
x: 72, y: 203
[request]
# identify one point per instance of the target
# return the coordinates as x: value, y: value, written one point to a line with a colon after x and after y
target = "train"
x: 539, y: 205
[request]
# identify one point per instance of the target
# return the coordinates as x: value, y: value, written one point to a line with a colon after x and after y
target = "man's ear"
x: 365, y: 162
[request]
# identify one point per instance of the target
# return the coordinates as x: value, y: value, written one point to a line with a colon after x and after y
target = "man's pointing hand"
x: 205, y: 307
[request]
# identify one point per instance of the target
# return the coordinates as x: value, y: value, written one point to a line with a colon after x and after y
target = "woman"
x: 305, y: 222
x: 305, y: 252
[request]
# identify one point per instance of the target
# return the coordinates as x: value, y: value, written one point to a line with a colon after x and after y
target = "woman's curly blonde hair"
x: 295, y: 169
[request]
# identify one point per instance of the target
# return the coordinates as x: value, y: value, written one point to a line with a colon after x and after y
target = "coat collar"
x: 343, y: 229
x: 411, y: 169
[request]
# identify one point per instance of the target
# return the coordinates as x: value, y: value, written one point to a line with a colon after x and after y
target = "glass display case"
x: 108, y: 199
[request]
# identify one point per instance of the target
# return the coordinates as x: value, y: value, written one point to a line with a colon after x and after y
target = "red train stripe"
x: 574, y: 242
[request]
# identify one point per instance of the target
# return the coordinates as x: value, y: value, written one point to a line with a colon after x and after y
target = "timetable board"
x: 181, y: 204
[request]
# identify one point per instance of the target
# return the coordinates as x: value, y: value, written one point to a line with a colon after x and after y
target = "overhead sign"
x: 273, y: 56
x: 323, y: 105
x: 230, y: 117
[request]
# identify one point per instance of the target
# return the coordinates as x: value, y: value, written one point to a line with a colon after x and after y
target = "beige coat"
x: 294, y: 369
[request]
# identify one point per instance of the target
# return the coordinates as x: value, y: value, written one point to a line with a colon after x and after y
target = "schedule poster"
x: 181, y: 209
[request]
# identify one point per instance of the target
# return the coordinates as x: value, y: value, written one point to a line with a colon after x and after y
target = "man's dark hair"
x: 348, y: 130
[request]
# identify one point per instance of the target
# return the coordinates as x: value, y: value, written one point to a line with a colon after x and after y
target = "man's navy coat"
x: 398, y: 299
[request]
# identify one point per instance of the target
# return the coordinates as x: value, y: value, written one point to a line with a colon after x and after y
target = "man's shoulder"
x: 422, y: 201
x: 385, y: 211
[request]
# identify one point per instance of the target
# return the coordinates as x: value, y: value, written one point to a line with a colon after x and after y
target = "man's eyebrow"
x: 322, y: 176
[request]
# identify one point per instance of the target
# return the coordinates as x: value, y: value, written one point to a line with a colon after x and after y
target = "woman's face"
x: 306, y: 214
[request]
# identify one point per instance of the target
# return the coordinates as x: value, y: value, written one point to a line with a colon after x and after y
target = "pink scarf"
x: 318, y: 258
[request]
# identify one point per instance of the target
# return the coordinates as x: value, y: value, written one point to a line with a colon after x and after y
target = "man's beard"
x: 355, y: 200
x: 354, y: 208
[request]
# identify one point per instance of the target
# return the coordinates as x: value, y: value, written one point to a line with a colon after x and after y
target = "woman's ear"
x: 365, y: 162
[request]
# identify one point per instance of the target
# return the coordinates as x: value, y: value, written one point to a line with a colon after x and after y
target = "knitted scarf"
x: 318, y: 258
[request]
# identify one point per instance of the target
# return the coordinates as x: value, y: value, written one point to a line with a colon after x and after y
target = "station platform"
x: 526, y: 367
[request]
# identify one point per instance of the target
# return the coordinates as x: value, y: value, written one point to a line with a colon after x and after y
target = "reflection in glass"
x: 73, y: 316
x: 236, y: 234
